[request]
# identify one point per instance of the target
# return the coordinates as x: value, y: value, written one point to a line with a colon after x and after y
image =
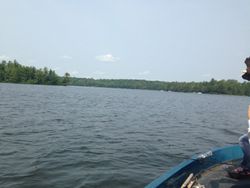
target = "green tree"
x: 66, y: 78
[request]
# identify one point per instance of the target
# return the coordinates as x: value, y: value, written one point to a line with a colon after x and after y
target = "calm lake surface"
x: 55, y: 136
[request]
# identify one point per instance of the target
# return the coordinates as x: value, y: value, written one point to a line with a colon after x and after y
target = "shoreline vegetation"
x: 13, y: 72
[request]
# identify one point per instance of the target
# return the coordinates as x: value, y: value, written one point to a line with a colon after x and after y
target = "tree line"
x: 13, y: 72
x: 230, y: 87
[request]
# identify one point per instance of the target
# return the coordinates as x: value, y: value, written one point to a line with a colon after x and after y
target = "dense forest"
x: 13, y: 72
x: 230, y: 87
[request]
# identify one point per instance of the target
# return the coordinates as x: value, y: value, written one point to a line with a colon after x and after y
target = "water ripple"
x: 97, y: 137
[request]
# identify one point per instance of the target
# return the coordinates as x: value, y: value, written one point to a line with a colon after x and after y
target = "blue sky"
x: 168, y: 40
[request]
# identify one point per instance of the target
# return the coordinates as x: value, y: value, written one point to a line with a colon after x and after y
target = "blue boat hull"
x: 198, y: 163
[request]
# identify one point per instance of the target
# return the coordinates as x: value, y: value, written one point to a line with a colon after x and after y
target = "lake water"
x: 56, y: 137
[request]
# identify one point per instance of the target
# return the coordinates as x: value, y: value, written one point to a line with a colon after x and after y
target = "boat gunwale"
x: 200, y: 163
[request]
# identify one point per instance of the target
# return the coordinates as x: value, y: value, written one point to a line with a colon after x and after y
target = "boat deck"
x: 217, y: 177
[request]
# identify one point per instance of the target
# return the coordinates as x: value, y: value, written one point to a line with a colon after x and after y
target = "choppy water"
x: 52, y: 136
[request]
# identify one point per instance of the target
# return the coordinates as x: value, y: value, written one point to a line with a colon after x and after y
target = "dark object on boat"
x: 239, y: 173
x: 246, y: 75
x: 209, y: 170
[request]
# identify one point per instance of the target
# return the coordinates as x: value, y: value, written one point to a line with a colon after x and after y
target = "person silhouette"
x: 245, y: 146
x: 246, y: 72
x: 243, y: 171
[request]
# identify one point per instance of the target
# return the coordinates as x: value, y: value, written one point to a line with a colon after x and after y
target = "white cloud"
x: 66, y: 57
x: 107, y: 58
x: 74, y: 73
x: 4, y: 57
x: 207, y: 75
x: 99, y: 72
x: 144, y: 72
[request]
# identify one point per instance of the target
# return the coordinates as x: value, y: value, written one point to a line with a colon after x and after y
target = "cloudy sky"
x: 168, y: 40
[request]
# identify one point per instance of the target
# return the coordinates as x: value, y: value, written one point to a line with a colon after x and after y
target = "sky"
x: 166, y: 40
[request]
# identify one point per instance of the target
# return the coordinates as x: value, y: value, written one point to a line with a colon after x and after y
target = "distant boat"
x: 199, y: 93
x: 204, y: 171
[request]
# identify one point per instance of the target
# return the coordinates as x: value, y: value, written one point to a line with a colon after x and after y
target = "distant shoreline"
x: 227, y: 87
x: 13, y: 72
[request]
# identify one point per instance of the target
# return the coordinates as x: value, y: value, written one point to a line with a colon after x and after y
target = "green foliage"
x: 66, y: 78
x: 15, y: 73
x: 230, y: 87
